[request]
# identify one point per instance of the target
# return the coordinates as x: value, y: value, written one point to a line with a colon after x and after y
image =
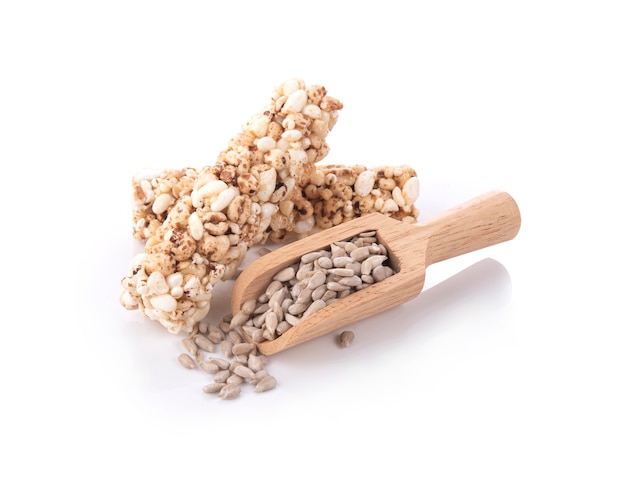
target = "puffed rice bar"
x: 335, y: 194
x: 339, y: 193
x: 207, y: 233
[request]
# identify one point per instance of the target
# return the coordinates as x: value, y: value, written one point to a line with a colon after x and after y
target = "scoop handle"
x: 488, y: 219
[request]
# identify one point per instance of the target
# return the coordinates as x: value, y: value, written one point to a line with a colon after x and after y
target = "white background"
x: 511, y: 362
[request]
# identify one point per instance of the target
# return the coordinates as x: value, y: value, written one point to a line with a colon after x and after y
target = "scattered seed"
x: 244, y: 371
x: 238, y: 379
x: 260, y: 375
x: 226, y: 346
x: 235, y: 337
x: 221, y: 376
x: 320, y: 278
x: 190, y: 346
x: 243, y: 348
x: 186, y: 360
x: 214, y: 387
x: 209, y: 367
x: 237, y: 361
x: 204, y: 343
x: 345, y: 338
x: 221, y: 363
x: 265, y: 384
x: 255, y: 363
x: 229, y: 391
x: 240, y: 359
x: 215, y: 337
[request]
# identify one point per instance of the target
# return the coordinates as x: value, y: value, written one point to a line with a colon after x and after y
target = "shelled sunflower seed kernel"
x: 231, y: 372
x: 232, y: 206
x: 317, y: 280
x: 345, y: 338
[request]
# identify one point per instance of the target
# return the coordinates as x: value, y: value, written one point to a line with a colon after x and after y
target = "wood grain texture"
x: 486, y: 220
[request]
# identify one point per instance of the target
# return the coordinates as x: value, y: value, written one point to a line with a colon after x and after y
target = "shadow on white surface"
x: 463, y: 307
x: 466, y: 301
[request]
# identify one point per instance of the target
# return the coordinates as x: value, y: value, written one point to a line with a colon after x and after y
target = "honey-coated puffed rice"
x: 198, y: 224
x: 335, y: 194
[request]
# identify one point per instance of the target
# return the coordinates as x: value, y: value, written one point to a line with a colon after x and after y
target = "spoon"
x: 486, y: 220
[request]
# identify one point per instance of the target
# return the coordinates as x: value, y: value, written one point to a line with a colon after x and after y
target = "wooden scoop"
x: 486, y: 220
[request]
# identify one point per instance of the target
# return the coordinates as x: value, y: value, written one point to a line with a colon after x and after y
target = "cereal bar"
x: 230, y: 207
x: 334, y: 193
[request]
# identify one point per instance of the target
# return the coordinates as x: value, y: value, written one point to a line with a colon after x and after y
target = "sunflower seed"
x: 226, y: 346
x: 255, y: 363
x: 221, y: 363
x: 214, y: 387
x: 345, y: 338
x: 242, y: 348
x: 186, y: 360
x: 203, y: 343
x: 221, y: 376
x: 229, y: 391
x: 244, y: 371
x: 238, y: 379
x: 209, y: 367
x: 265, y: 384
x: 190, y: 346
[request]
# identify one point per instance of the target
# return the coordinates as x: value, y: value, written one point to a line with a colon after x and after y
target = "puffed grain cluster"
x: 232, y: 205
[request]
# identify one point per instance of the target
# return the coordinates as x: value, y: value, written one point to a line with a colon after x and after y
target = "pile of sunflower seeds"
x: 221, y: 351
x: 320, y: 278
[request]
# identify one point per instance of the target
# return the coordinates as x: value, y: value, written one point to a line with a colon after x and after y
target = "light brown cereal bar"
x: 207, y: 232
x: 339, y: 193
x: 334, y: 194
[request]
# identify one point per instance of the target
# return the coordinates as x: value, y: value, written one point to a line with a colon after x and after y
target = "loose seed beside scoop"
x: 214, y: 387
x: 345, y: 338
x: 230, y: 391
x: 265, y: 384
x: 186, y: 361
